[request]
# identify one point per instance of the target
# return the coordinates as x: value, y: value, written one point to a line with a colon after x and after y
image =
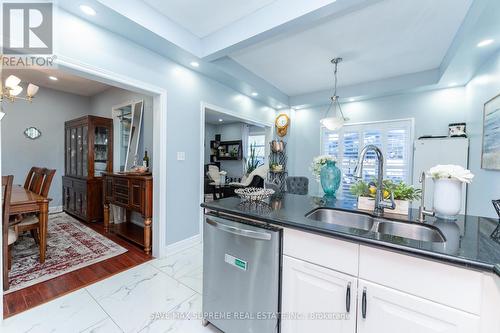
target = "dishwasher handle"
x: 240, y: 232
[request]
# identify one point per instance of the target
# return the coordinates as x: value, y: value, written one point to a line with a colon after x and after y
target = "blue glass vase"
x: 330, y: 178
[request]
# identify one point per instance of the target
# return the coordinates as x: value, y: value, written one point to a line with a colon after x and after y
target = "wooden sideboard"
x: 134, y: 193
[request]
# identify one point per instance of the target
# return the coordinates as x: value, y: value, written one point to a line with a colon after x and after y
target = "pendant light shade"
x: 16, y: 91
x: 12, y: 82
x: 10, y: 89
x: 332, y: 123
x: 32, y: 90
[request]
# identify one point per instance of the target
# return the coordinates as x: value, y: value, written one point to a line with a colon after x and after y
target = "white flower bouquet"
x: 318, y: 163
x: 450, y: 171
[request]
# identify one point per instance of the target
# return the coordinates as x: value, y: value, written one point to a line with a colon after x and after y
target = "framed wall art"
x: 490, y: 157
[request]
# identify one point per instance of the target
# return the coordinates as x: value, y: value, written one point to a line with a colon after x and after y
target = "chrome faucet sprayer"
x: 422, y: 212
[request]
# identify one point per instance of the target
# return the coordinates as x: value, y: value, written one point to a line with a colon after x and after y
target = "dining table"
x: 23, y: 201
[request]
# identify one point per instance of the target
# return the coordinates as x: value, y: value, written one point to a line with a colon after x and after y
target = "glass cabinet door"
x: 68, y: 151
x: 73, y: 151
x: 101, y: 150
x: 85, y: 151
x: 79, y: 149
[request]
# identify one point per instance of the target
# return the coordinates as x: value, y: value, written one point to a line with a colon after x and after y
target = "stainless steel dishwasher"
x: 241, y: 275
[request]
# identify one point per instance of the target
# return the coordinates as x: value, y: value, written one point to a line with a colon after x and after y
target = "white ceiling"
x: 203, y: 17
x: 387, y: 39
x: 66, y: 82
x: 212, y: 117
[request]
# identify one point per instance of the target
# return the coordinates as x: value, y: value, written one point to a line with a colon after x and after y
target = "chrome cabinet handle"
x: 238, y: 231
x: 348, y: 298
x: 363, y: 304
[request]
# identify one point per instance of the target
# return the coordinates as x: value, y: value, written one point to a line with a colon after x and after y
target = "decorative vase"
x: 330, y: 178
x: 447, y: 197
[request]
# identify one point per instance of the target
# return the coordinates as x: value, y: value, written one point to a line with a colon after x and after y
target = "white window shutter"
x: 392, y: 137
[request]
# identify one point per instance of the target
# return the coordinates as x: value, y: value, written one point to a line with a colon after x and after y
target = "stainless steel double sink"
x: 409, y: 230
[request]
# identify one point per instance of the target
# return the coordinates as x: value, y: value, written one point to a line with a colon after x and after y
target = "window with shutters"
x: 392, y: 137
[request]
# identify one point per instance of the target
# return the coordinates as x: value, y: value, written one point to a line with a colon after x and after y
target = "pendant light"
x: 335, y: 122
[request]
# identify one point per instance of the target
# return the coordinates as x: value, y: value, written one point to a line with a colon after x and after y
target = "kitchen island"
x: 468, y: 240
x: 450, y: 283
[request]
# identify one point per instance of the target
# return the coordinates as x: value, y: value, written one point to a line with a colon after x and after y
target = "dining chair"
x: 40, y: 184
x: 34, y: 179
x: 9, y: 236
x: 33, y: 183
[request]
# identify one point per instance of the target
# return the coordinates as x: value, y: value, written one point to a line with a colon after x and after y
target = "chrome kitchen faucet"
x: 380, y: 204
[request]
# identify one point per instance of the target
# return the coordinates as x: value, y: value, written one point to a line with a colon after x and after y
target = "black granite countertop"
x: 468, y: 239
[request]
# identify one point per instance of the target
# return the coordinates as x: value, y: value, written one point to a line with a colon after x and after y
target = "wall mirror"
x: 128, y: 124
x: 32, y: 133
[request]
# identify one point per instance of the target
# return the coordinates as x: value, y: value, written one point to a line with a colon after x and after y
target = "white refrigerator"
x: 429, y: 152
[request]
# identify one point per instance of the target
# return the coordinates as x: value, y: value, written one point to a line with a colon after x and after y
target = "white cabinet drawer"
x: 323, y: 251
x: 442, y: 283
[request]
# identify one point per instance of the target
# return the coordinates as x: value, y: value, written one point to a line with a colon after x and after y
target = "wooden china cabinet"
x: 88, y: 153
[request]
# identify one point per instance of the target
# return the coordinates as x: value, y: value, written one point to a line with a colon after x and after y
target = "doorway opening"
x: 74, y: 115
x: 234, y: 153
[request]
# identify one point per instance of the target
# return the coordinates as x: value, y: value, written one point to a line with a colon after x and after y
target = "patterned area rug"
x: 70, y: 245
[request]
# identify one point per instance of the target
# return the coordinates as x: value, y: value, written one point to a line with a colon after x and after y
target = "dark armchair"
x: 297, y: 185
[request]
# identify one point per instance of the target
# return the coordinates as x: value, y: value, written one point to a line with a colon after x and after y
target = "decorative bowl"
x: 254, y: 193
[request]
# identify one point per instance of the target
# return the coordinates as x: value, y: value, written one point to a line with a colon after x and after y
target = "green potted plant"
x: 403, y: 194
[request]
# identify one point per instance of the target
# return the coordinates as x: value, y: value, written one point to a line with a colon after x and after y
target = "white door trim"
x: 159, y: 137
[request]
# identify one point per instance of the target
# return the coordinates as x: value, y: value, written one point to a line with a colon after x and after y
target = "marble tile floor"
x: 147, y: 298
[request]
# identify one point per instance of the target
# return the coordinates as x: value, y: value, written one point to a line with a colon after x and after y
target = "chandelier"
x: 335, y: 122
x: 11, y: 90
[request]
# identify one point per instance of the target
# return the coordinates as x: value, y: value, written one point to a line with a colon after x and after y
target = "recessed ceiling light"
x: 255, y: 94
x: 221, y: 120
x: 195, y: 64
x: 280, y: 106
x: 485, y: 42
x: 88, y: 10
x: 351, y: 99
x: 53, y: 78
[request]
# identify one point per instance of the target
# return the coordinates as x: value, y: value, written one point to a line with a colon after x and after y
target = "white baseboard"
x: 183, y: 245
x: 55, y: 209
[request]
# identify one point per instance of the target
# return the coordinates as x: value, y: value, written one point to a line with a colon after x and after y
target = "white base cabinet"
x: 383, y: 309
x: 389, y: 292
x: 317, y: 299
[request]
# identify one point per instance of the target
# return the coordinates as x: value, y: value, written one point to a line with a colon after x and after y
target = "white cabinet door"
x: 382, y: 309
x: 316, y: 299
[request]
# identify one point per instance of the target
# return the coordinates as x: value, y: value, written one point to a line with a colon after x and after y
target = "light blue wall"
x: 48, y: 113
x: 432, y: 111
x: 186, y: 89
x: 228, y: 132
x: 486, y: 186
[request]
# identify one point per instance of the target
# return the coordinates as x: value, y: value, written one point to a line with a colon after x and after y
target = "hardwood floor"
x: 40, y: 293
